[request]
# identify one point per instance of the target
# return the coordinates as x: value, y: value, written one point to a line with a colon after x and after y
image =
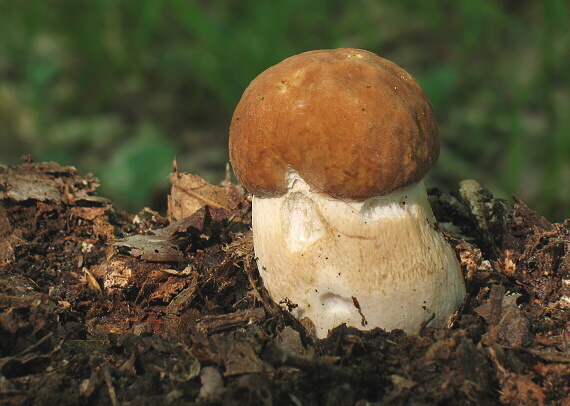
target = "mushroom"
x: 333, y: 144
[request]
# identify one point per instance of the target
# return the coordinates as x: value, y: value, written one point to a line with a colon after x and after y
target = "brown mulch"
x: 99, y: 307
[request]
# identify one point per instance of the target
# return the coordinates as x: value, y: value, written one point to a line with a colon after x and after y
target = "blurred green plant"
x: 116, y: 86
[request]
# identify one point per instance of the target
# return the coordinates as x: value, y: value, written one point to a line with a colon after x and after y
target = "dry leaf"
x: 191, y: 193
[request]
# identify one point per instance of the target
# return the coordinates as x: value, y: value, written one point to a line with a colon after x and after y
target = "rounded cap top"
x: 352, y: 124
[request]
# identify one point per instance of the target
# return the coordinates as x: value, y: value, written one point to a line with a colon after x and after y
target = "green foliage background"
x: 117, y: 87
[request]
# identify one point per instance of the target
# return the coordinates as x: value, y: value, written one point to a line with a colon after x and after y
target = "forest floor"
x: 99, y: 307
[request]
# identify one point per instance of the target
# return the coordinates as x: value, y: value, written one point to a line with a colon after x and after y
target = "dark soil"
x: 105, y: 308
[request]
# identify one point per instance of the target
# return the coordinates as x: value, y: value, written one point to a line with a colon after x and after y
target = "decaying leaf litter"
x: 104, y: 307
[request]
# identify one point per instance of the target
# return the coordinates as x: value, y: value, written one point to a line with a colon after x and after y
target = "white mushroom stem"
x: 374, y: 263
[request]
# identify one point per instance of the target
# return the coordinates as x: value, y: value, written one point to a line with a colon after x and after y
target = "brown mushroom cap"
x: 352, y: 124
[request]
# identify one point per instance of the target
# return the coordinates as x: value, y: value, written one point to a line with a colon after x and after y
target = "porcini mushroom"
x: 334, y: 144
